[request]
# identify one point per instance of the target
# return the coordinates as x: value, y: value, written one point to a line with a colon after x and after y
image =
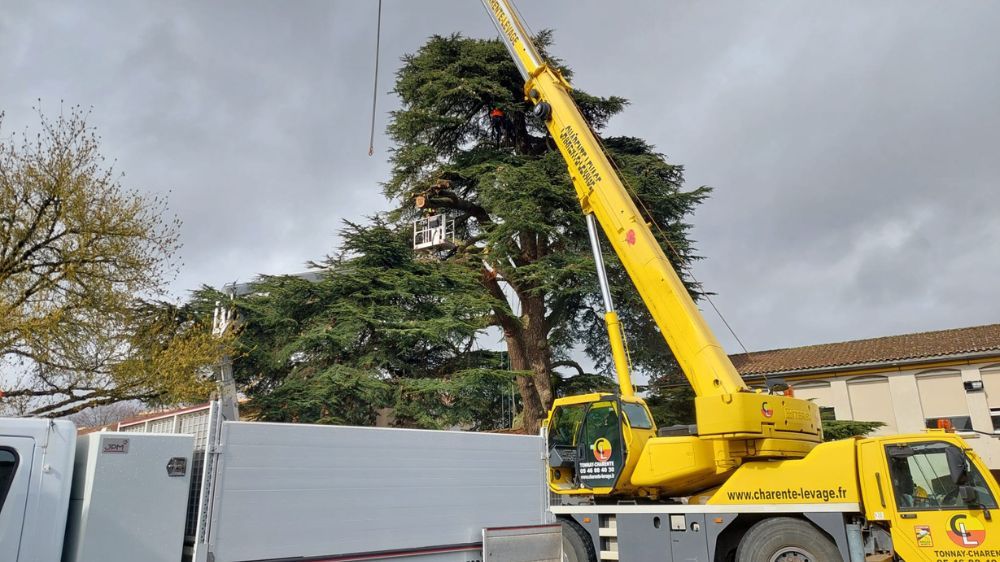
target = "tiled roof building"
x: 909, y: 382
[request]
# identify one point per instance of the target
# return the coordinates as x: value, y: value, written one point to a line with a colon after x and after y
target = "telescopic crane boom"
x: 733, y: 423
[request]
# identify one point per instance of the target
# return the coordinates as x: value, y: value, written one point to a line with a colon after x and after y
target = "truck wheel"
x: 577, y: 546
x: 784, y: 539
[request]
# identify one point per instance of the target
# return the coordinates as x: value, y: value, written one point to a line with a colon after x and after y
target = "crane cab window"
x: 565, y: 426
x: 8, y: 465
x: 925, y: 478
x: 637, y: 416
x: 602, y: 423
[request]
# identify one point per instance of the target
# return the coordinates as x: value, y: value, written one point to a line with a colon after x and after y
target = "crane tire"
x: 577, y: 546
x: 786, y: 539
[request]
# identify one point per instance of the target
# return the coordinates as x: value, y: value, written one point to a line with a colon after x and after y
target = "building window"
x: 991, y: 383
x: 871, y: 400
x: 943, y: 399
x: 995, y: 415
x: 958, y: 423
x: 827, y: 413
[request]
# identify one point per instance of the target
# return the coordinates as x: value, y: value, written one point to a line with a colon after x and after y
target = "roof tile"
x: 941, y: 343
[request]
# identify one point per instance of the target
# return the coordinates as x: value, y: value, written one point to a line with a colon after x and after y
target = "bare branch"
x: 569, y: 363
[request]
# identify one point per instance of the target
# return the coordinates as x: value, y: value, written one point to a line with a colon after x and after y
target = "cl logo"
x: 966, y: 531
x: 602, y: 450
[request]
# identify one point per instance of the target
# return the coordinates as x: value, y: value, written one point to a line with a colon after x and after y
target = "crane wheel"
x: 786, y: 539
x: 577, y: 545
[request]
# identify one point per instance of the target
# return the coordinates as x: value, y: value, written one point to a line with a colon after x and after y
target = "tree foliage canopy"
x: 80, y: 256
x: 378, y: 329
x: 382, y: 326
x: 844, y: 429
x: 516, y: 214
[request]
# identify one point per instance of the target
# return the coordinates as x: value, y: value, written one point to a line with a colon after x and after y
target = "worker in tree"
x: 497, y: 124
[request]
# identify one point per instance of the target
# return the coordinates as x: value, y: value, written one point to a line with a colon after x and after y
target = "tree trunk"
x: 534, y: 410
x: 537, y: 344
x: 528, y: 350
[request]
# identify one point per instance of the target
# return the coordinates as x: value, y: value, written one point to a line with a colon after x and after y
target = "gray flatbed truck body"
x: 248, y: 492
x: 348, y: 491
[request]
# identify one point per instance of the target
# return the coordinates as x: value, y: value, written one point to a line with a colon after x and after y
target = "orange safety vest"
x: 496, y: 113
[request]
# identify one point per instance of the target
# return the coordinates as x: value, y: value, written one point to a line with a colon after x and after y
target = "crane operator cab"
x: 594, y: 442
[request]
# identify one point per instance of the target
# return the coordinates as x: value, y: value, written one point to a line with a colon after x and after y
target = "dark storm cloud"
x: 852, y: 150
x: 851, y: 145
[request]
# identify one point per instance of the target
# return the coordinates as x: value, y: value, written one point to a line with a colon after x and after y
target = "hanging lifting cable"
x: 378, y: 39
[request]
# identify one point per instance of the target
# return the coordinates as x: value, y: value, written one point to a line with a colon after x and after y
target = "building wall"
x: 907, y: 400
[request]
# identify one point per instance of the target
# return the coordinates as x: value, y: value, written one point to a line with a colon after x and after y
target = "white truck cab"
x: 36, y: 476
x: 69, y: 499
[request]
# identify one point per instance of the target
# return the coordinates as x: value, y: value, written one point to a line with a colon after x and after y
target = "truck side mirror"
x: 969, y: 495
x: 958, y: 467
x: 900, y: 452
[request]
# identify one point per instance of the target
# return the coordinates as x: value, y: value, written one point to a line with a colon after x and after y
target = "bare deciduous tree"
x: 79, y: 253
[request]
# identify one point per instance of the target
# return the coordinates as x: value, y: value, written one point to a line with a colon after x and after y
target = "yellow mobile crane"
x: 752, y: 480
x: 734, y: 424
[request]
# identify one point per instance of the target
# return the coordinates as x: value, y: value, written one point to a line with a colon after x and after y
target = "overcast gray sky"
x: 852, y: 145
